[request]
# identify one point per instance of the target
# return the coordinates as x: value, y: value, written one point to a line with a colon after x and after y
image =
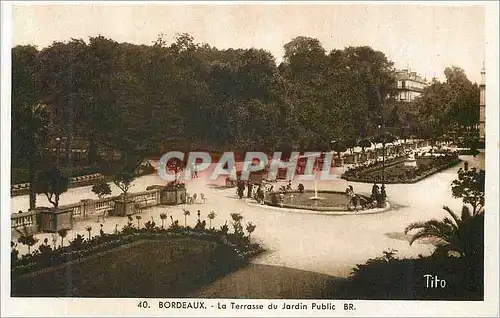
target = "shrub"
x: 101, y: 189
x: 387, y: 277
x: 175, y: 185
x: 77, y: 243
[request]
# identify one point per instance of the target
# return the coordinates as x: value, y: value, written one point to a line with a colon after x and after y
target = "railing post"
x: 88, y: 206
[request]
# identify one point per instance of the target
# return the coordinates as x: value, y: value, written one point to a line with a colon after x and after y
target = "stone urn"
x: 124, y: 205
x: 54, y: 219
x: 173, y: 194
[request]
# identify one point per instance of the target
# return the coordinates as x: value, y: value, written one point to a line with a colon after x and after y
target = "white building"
x: 482, y: 106
x: 409, y: 85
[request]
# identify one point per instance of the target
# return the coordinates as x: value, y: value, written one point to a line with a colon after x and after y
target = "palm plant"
x: 163, y: 216
x: 250, y: 228
x: 54, y: 240
x: 211, y: 216
x: 26, y: 238
x: 62, y: 233
x: 186, y: 213
x: 462, y: 235
x: 238, y: 228
x: 138, y: 217
x: 89, y: 230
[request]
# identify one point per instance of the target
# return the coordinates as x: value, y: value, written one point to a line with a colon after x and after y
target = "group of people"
x: 251, y: 192
x: 377, y: 198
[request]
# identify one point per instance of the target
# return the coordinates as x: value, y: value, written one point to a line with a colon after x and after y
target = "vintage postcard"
x: 250, y: 159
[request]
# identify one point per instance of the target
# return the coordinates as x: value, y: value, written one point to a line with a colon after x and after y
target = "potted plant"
x: 53, y: 183
x: 124, y: 205
x: 173, y: 193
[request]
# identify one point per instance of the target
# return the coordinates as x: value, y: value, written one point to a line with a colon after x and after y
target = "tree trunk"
x: 32, y: 175
x: 92, y: 152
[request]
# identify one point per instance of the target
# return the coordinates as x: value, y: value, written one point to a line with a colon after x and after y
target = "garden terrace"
x: 398, y: 172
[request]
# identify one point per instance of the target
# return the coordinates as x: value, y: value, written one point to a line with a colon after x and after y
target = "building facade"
x: 482, y: 106
x: 409, y: 85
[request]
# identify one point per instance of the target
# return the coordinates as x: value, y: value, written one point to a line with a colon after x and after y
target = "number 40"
x: 143, y: 304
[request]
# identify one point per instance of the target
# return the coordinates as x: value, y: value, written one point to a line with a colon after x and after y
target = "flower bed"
x: 80, y: 248
x: 399, y: 173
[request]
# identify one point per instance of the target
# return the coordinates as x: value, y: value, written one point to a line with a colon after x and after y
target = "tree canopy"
x: 185, y: 95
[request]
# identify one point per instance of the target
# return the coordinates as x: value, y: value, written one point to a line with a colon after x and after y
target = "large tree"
x: 30, y: 116
x: 449, y: 106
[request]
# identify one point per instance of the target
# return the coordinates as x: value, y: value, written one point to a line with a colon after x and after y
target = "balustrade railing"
x: 24, y: 219
x: 104, y: 205
x: 76, y: 208
x: 147, y: 198
x: 87, y: 208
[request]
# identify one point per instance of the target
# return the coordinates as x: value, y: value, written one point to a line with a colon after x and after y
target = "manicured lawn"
x: 148, y: 268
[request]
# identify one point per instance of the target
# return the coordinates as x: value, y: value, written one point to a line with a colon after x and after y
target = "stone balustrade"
x: 24, y: 220
x: 147, y: 198
x: 84, y: 209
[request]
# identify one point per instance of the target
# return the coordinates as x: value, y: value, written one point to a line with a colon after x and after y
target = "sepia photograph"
x: 263, y: 158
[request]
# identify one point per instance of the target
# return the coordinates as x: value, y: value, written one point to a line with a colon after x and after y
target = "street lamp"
x: 58, y: 150
x: 382, y: 138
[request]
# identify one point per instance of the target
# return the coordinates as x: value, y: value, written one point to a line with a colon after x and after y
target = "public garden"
x: 87, y: 205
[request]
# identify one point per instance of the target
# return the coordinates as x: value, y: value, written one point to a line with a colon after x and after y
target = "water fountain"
x: 315, y: 197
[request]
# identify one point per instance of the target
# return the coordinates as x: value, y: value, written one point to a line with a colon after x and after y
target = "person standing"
x: 383, y: 194
x: 353, y: 199
x: 249, y: 193
x: 375, y: 190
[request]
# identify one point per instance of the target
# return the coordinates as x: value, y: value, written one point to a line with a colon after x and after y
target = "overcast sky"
x: 427, y: 38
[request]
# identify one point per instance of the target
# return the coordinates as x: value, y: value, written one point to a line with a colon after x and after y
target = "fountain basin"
x: 324, y: 200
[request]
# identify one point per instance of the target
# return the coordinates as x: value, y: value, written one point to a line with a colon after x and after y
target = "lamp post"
x: 383, y: 152
x: 58, y: 151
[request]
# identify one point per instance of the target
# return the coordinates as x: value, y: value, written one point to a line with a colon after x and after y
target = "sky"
x: 425, y: 38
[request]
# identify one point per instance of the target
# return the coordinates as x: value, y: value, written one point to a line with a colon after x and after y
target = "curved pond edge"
x: 327, y: 211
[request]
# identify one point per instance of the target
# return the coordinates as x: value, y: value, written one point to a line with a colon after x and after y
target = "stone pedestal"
x: 53, y: 220
x: 88, y: 207
x: 124, y: 206
x: 172, y: 196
